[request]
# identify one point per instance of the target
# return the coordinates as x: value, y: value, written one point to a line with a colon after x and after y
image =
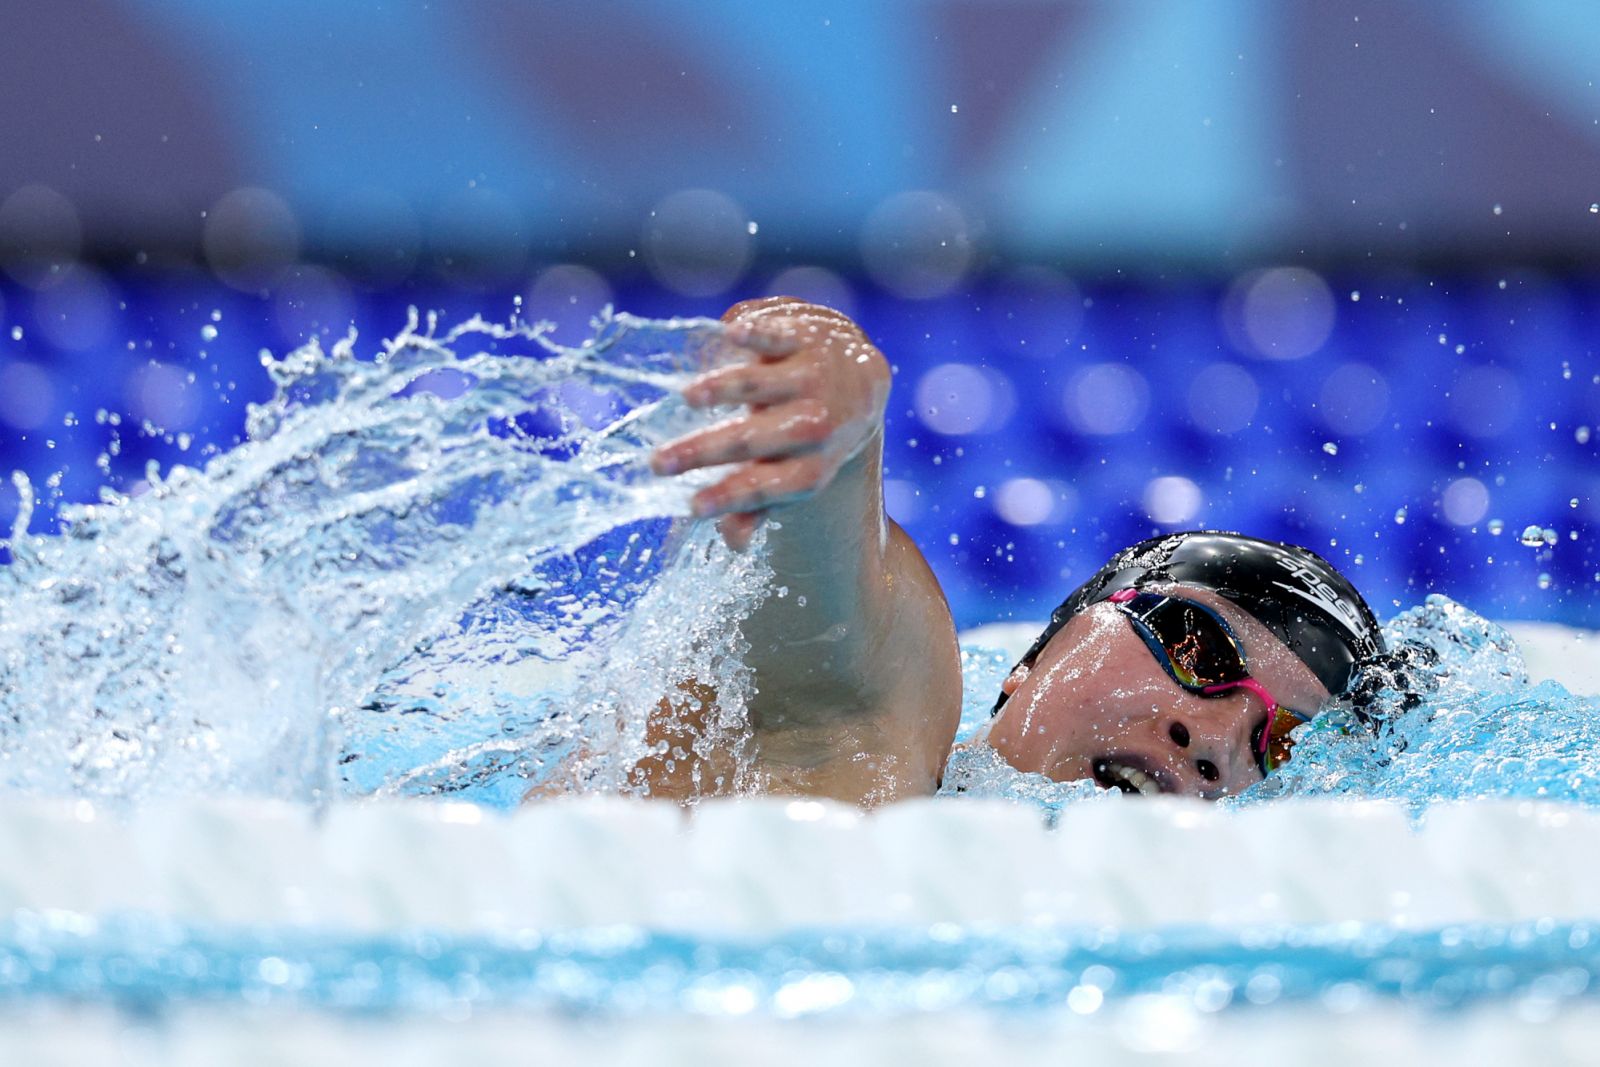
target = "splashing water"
x: 1483, y: 732
x: 424, y: 558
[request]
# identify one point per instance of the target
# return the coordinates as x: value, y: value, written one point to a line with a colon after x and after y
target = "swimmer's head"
x: 1161, y: 672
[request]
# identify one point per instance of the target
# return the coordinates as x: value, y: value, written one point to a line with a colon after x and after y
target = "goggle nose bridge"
x: 1160, y: 648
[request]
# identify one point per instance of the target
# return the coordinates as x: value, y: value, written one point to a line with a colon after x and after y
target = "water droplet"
x: 1572, y: 503
x: 16, y: 333
x: 954, y: 109
x: 1461, y: 350
x: 208, y: 332
x: 1496, y: 526
x: 980, y: 492
x: 955, y: 539
x: 1550, y: 536
x: 1400, y: 517
x: 1544, y: 580
x: 1355, y: 296
x: 751, y: 227
x: 1330, y: 447
x: 1594, y: 209
x: 1498, y: 209
x: 1532, y: 536
x: 1581, y: 435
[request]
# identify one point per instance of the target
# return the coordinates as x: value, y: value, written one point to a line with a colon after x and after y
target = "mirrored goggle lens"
x: 1200, y: 651
x: 1278, y: 743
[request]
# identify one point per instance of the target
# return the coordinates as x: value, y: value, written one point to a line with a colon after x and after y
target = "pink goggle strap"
x: 1273, y: 707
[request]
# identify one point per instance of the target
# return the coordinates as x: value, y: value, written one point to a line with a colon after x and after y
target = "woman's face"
x: 1096, y: 703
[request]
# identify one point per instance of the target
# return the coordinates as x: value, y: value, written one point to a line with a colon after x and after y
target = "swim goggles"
x: 1199, y: 651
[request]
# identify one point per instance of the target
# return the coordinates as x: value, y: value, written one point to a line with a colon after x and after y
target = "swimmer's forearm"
x: 858, y: 685
x: 831, y: 579
x: 863, y: 627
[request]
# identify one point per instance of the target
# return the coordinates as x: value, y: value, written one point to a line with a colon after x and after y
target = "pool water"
x: 265, y: 727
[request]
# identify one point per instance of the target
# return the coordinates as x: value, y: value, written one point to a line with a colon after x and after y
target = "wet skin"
x: 858, y: 671
x: 1096, y: 693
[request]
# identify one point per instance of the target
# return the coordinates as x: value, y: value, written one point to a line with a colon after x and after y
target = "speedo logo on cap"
x: 1320, y: 593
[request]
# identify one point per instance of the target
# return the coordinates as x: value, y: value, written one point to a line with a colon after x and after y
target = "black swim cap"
x: 1292, y: 591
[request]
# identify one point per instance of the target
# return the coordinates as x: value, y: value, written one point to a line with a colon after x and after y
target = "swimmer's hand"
x: 816, y: 389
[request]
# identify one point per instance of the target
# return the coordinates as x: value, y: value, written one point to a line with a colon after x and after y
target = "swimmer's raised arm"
x: 857, y: 665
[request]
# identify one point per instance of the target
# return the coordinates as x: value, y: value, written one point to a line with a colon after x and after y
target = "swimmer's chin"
x: 1072, y: 768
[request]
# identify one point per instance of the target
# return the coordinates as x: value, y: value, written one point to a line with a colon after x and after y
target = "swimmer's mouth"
x: 1131, y: 774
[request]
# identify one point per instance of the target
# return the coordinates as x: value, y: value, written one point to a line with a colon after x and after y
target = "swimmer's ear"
x: 1018, y: 675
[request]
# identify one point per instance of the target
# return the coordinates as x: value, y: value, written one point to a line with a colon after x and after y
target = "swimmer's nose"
x: 1214, y: 745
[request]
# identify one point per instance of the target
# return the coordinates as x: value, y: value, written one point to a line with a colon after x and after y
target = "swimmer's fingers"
x: 754, y: 343
x: 739, y: 528
x: 772, y: 320
x: 758, y: 486
x: 791, y: 429
x: 752, y: 383
x: 772, y: 338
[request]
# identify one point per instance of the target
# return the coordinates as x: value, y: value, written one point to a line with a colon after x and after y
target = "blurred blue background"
x: 1305, y: 269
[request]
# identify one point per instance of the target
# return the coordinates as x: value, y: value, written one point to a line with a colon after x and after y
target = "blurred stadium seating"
x: 1316, y: 272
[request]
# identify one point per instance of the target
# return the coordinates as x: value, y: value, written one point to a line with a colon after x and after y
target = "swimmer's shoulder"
x: 921, y: 705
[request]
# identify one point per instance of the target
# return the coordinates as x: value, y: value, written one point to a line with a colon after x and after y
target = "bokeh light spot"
x: 958, y: 398
x: 1465, y: 501
x: 162, y: 394
x: 1025, y: 501
x: 311, y: 301
x: 40, y: 236
x: 697, y: 242
x: 1171, y: 500
x: 1106, y: 398
x: 1282, y: 313
x: 250, y: 236
x: 568, y: 296
x: 917, y: 244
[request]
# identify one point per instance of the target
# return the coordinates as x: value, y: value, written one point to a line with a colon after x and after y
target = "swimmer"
x: 1181, y: 667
